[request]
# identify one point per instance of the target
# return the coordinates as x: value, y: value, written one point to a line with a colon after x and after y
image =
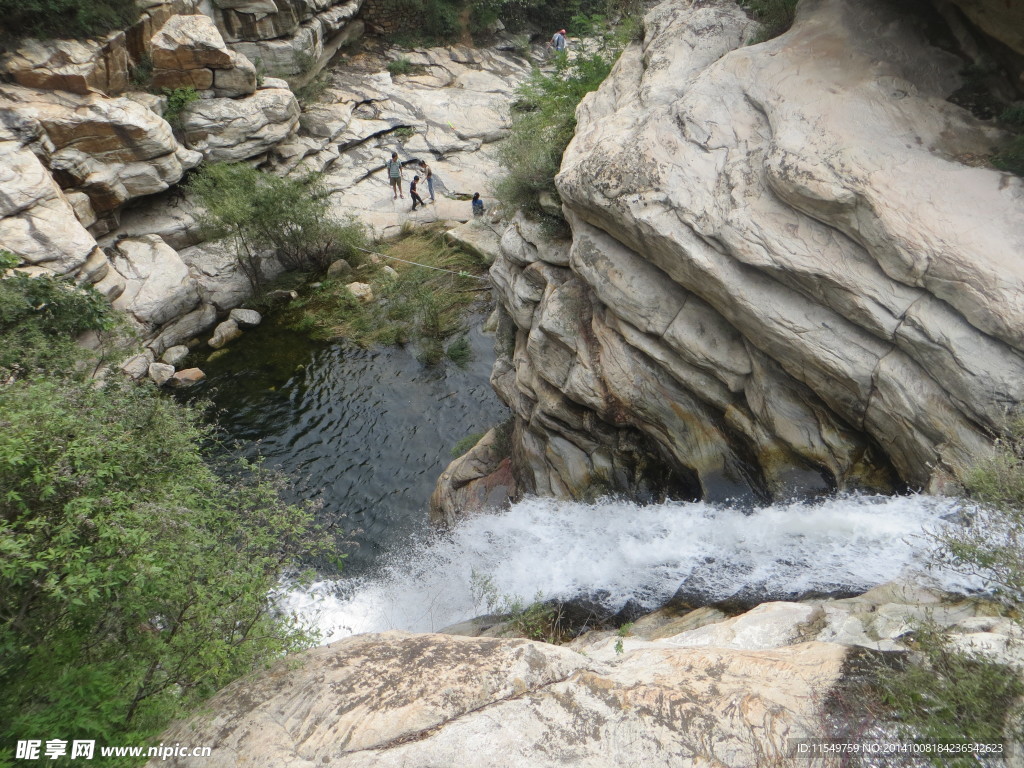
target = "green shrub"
x: 775, y: 16
x: 459, y: 351
x: 988, y: 541
x: 39, y: 318
x: 400, y: 66
x: 178, y: 100
x: 1013, y: 115
x: 262, y: 212
x: 140, y: 74
x: 65, y: 18
x: 542, y: 126
x: 935, y: 694
x: 133, y: 580
x: 464, y: 445
x: 1012, y: 157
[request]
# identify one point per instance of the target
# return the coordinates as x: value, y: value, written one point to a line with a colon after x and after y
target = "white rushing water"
x: 546, y: 549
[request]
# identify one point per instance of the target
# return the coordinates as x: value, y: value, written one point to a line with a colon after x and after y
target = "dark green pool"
x: 366, y: 431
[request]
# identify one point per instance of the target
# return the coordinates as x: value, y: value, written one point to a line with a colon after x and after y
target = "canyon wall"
x: 790, y: 269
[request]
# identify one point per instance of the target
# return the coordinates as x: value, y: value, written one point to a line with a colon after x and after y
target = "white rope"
x: 428, y: 266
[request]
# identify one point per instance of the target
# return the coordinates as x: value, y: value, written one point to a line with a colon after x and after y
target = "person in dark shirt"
x: 416, y: 199
x: 478, y: 205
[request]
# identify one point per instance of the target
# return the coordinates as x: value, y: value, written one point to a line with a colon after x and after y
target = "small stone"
x: 175, y: 354
x: 160, y: 373
x: 390, y: 272
x: 223, y: 333
x: 186, y: 378
x: 339, y: 269
x: 245, y: 318
x: 361, y: 291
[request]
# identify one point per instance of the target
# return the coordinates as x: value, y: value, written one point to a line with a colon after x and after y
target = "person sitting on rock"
x: 394, y: 167
x: 416, y: 199
x: 478, y: 205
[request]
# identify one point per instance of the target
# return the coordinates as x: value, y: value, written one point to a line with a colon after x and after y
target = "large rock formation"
x: 783, y: 273
x: 289, y: 38
x: 680, y: 689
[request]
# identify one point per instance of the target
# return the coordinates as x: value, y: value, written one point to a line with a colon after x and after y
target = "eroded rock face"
x: 397, y: 699
x: 785, y: 282
x: 111, y: 149
x: 229, y: 130
x: 289, y: 37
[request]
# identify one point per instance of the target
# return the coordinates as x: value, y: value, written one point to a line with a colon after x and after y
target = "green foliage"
x: 943, y: 695
x: 1011, y: 158
x: 140, y: 74
x: 39, y: 318
x: 133, y: 580
x: 400, y: 66
x: 178, y: 100
x: 988, y: 541
x: 543, y: 125
x: 420, y: 305
x: 466, y: 444
x: 459, y: 351
x: 1014, y: 115
x: 516, y: 14
x: 775, y: 16
x: 260, y: 212
x: 65, y: 18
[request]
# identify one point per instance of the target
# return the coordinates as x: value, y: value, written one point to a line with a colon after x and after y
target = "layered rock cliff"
x: 788, y: 269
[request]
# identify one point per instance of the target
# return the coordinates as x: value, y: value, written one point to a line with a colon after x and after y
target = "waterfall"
x: 542, y: 548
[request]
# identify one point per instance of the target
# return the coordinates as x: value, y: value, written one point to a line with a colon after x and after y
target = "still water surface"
x: 367, y: 431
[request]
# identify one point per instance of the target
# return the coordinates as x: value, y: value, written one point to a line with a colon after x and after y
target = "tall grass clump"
x: 413, y: 305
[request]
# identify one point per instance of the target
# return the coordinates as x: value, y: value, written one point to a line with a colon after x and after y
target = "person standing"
x: 416, y: 199
x: 478, y: 205
x: 429, y: 175
x: 394, y: 167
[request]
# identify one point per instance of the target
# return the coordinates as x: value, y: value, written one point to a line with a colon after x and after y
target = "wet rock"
x: 224, y: 333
